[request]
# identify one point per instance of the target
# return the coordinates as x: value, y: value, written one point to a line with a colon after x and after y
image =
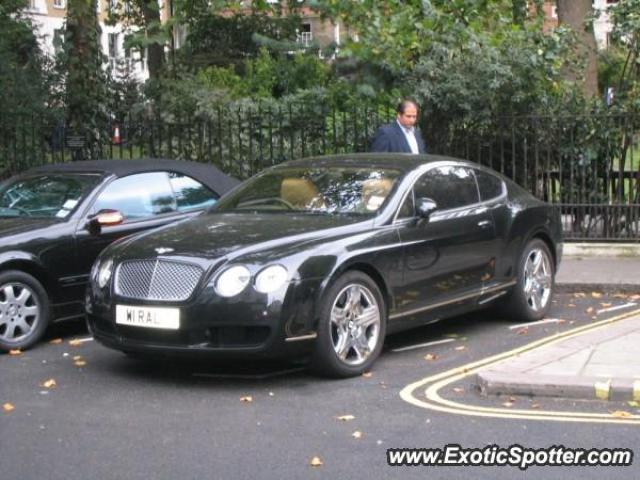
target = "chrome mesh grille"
x: 157, y: 279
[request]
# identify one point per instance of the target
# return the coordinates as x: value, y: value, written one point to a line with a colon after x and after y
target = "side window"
x: 138, y: 196
x: 407, y: 209
x: 190, y: 194
x: 489, y: 185
x: 450, y: 187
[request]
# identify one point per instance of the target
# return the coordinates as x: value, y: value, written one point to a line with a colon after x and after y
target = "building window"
x: 58, y: 3
x: 113, y: 45
x: 306, y: 36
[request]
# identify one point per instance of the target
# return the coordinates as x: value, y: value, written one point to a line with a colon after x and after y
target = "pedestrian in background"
x: 402, y: 135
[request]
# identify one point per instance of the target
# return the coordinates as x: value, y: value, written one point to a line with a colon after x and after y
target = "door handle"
x: 485, y: 223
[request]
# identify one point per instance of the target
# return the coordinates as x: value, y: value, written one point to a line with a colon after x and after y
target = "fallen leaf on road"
x: 357, y: 434
x: 247, y: 399
x: 507, y: 404
x: 579, y: 295
x: 621, y: 414
x: 55, y: 341
x: 79, y: 363
x: 316, y: 462
x: 430, y: 357
x: 75, y: 342
x: 77, y: 357
x: 8, y: 407
x: 535, y: 405
x: 15, y: 352
x: 619, y: 295
x: 523, y: 331
x: 596, y: 294
x: 51, y: 383
x: 367, y: 374
x: 634, y: 297
x: 590, y: 309
x: 572, y: 305
x: 458, y: 390
x: 460, y: 348
x: 606, y: 305
x: 346, y: 418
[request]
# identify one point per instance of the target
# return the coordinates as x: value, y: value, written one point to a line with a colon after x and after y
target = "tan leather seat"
x: 299, y: 192
x: 375, y: 191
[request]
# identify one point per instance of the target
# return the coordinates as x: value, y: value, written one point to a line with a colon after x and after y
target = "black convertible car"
x: 56, y: 219
x: 324, y: 257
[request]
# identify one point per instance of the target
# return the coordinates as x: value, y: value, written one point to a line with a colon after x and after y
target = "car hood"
x: 15, y: 226
x: 219, y: 235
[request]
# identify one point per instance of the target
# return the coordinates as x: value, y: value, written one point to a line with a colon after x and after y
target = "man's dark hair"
x: 404, y: 103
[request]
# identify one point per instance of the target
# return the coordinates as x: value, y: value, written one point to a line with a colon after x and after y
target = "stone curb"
x: 601, y: 249
x: 597, y: 287
x: 586, y: 388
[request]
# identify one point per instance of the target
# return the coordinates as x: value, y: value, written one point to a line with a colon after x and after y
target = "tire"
x: 24, y: 310
x: 351, y: 327
x: 531, y: 298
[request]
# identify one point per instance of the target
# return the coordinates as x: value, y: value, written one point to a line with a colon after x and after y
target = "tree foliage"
x: 626, y: 36
x: 467, y: 59
x: 25, y: 79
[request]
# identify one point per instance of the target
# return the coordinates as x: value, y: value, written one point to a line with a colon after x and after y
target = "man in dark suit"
x: 402, y: 135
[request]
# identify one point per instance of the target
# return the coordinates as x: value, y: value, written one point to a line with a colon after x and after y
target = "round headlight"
x: 271, y: 279
x: 104, y: 273
x: 232, y: 281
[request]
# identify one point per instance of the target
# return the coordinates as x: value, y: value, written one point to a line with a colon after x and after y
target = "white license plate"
x: 149, y: 317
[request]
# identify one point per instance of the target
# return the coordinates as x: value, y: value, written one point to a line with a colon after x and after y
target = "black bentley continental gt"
x: 56, y: 219
x: 323, y: 257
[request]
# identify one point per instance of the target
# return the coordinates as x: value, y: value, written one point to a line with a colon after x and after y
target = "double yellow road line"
x: 425, y: 393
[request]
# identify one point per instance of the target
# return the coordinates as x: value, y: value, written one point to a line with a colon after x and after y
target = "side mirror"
x: 425, y: 207
x: 104, y: 218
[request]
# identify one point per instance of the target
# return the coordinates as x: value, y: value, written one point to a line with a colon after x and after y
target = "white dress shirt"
x: 409, y: 134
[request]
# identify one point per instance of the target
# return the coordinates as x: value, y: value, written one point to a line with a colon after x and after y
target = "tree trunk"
x: 577, y: 15
x: 155, y: 51
x: 85, y: 81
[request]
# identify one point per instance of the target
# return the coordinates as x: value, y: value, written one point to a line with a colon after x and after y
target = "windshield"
x: 351, y: 190
x: 48, y: 195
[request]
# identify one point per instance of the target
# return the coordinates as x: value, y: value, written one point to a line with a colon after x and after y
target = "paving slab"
x: 600, y: 363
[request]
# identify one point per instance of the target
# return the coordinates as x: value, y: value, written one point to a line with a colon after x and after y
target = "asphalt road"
x: 111, y: 417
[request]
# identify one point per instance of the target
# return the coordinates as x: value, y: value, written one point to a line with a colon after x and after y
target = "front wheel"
x: 531, y: 297
x: 24, y: 310
x: 351, y: 328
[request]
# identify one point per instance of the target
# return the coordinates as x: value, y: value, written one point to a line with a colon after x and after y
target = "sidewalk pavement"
x: 599, y: 363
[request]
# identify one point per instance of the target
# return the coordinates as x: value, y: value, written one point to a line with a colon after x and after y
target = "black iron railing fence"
x: 589, y: 166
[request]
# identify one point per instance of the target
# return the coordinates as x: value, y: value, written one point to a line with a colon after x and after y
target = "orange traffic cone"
x: 116, y: 135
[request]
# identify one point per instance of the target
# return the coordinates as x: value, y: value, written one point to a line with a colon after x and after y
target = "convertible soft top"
x: 211, y: 176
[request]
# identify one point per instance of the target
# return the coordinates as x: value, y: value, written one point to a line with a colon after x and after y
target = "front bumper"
x: 251, y: 324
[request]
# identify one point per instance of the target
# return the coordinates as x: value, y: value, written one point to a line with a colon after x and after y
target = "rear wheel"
x: 24, y: 310
x: 351, y: 328
x: 531, y: 297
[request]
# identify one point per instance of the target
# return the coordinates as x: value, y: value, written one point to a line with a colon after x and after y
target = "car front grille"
x: 157, y: 279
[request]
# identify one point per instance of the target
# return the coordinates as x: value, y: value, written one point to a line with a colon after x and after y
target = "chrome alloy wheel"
x: 355, y: 324
x: 538, y: 279
x: 19, y: 311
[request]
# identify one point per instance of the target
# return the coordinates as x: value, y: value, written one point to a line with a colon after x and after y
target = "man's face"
x: 409, y: 117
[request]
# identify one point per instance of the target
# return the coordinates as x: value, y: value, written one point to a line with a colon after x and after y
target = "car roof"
x: 399, y: 161
x: 207, y: 174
